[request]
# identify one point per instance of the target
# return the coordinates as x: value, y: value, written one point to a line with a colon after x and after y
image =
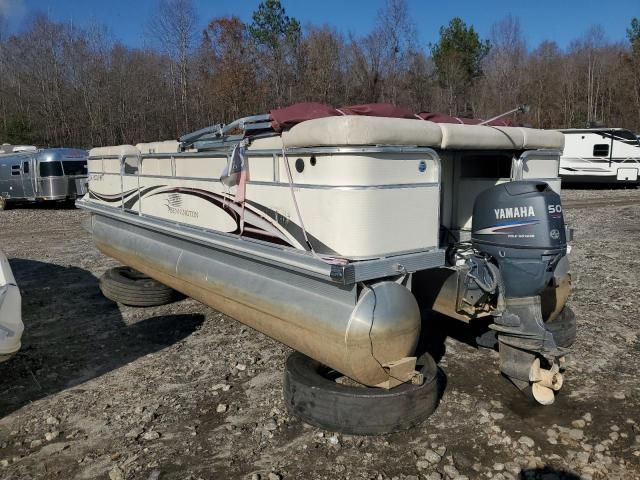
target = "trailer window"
x: 75, y: 168
x: 15, y: 170
x: 51, y: 169
x: 25, y: 167
x: 486, y: 166
x: 601, y: 150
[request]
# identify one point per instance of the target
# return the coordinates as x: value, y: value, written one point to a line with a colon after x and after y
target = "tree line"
x: 63, y: 85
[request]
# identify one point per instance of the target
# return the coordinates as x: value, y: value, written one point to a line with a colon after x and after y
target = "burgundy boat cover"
x: 284, y: 118
x: 378, y: 110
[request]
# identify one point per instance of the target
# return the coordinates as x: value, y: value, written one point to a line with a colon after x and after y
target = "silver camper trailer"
x: 54, y: 174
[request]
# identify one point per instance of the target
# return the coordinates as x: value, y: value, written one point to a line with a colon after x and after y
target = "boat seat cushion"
x: 360, y: 130
x: 549, y: 139
x: 480, y: 137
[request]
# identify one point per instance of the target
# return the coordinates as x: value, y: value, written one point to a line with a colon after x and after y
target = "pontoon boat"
x: 331, y: 229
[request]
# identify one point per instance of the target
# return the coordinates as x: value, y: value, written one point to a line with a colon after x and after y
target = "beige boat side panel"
x: 356, y: 223
x: 360, y: 130
x: 360, y: 223
x: 95, y: 166
x: 540, y: 167
x: 167, y: 146
x: 117, y: 150
x: 359, y: 169
x: 111, y: 165
x: 202, y: 167
x: 155, y: 166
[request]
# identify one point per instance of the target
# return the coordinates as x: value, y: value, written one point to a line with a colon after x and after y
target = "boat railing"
x: 220, y: 134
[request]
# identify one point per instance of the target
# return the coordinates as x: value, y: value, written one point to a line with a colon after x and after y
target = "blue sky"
x: 558, y: 20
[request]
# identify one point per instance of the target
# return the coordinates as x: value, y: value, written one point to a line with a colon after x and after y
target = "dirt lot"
x: 182, y: 392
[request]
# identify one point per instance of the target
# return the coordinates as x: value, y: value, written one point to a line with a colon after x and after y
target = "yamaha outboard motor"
x: 521, y: 227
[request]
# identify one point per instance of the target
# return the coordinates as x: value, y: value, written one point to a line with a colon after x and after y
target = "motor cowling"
x: 521, y: 227
x: 520, y: 224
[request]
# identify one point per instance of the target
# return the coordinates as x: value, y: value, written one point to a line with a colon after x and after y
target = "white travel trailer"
x: 52, y: 174
x: 336, y: 233
x: 600, y: 155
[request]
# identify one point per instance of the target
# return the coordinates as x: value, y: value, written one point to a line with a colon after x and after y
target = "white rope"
x: 329, y: 260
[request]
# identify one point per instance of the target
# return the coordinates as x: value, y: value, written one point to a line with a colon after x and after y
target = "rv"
x: 335, y: 232
x: 600, y: 155
x: 53, y: 174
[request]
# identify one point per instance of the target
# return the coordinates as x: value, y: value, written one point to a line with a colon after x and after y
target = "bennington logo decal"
x: 174, y: 205
x: 514, y: 212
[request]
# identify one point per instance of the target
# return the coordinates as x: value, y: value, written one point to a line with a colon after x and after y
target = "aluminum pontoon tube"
x: 352, y: 330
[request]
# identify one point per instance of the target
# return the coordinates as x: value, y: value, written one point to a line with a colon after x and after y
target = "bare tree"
x: 364, y: 76
x: 174, y: 27
x: 541, y: 87
x: 380, y: 61
x: 631, y: 67
x: 77, y: 86
x: 3, y: 68
x: 501, y: 86
x: 322, y: 66
x: 228, y: 79
x: 397, y: 34
x: 593, y: 44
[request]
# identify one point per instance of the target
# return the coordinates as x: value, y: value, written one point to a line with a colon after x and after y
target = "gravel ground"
x: 182, y: 392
